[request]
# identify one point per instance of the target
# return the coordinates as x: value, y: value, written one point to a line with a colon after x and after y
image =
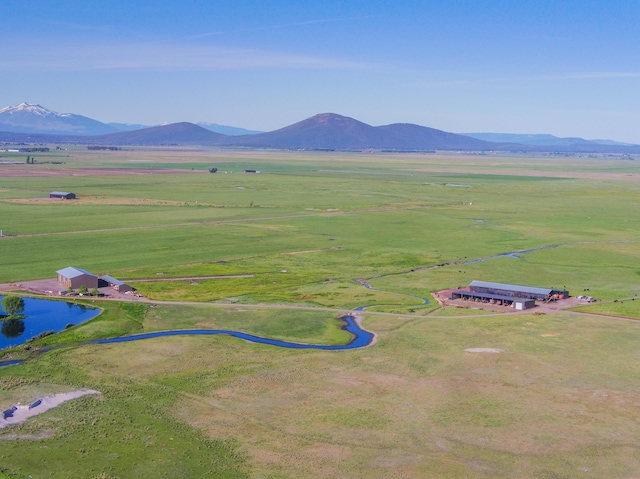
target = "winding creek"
x: 515, y: 254
x: 360, y: 337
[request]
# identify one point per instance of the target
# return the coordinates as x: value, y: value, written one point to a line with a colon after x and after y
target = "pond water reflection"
x: 41, y: 315
x: 12, y: 328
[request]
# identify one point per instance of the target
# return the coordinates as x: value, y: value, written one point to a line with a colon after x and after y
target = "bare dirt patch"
x: 23, y: 412
x: 51, y: 288
x: 544, y: 173
x: 14, y: 171
x: 484, y: 350
x: 98, y: 200
x: 44, y: 434
x: 444, y: 299
x: 48, y: 287
x: 335, y: 248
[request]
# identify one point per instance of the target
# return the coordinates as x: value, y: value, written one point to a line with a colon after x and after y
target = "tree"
x: 94, y: 292
x: 13, y: 305
x: 82, y: 290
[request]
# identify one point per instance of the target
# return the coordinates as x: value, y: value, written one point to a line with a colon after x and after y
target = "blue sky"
x: 569, y: 68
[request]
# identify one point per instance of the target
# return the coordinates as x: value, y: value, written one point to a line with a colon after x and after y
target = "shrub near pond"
x: 12, y: 305
x: 40, y: 336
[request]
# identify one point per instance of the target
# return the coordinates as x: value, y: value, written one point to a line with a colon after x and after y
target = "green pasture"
x: 342, y: 223
x: 554, y: 402
x: 284, y: 253
x: 627, y: 308
x: 581, y: 268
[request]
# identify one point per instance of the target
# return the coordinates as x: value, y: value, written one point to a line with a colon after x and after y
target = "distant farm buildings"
x: 74, y: 278
x: 63, y: 195
x: 541, y: 294
x: 511, y: 295
x: 116, y: 284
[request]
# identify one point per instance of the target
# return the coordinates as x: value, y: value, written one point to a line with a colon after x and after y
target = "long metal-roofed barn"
x: 75, y: 277
x: 512, y: 295
x: 495, y: 299
x: 517, y: 291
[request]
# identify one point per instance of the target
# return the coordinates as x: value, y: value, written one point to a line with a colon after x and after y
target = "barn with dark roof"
x: 511, y: 295
x: 116, y: 284
x: 62, y: 195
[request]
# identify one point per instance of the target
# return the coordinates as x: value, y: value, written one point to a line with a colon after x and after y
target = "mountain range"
x: 537, y: 139
x: 27, y: 118
x: 215, y: 127
x: 36, y: 119
x: 26, y: 123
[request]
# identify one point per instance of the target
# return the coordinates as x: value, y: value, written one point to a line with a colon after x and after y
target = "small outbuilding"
x: 62, y: 195
x: 71, y: 277
x: 116, y: 284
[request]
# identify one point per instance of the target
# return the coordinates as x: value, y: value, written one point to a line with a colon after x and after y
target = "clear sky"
x: 565, y: 67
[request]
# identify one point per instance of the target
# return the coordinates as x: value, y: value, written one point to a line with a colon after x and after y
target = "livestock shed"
x: 518, y: 291
x: 116, y: 284
x: 63, y: 195
x: 495, y: 299
x: 75, y: 277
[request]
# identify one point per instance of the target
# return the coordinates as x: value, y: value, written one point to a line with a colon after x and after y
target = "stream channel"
x: 48, y: 315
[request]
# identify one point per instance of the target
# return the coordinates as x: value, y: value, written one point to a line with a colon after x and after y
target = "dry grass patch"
x: 372, y: 413
x: 98, y: 200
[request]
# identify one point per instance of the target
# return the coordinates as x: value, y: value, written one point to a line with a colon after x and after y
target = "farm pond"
x: 42, y: 315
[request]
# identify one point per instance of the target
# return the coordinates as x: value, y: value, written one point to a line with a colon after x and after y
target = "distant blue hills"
x: 27, y: 123
x: 36, y: 119
x: 223, y: 129
x: 540, y: 139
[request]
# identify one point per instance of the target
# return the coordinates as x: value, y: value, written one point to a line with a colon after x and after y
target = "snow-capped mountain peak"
x: 31, y: 109
x: 30, y: 118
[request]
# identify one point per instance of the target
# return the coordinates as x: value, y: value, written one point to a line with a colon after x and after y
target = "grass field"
x: 559, y: 401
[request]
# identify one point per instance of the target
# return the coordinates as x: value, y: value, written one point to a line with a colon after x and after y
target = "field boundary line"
x: 218, y: 222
